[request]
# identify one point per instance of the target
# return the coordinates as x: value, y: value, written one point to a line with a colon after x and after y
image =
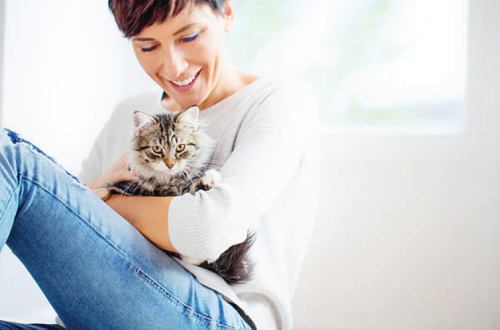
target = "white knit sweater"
x: 267, y: 151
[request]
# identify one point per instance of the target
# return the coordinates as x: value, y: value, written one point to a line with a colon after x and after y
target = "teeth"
x: 185, y: 82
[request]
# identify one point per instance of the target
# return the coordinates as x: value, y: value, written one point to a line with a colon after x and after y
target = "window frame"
x: 471, y: 143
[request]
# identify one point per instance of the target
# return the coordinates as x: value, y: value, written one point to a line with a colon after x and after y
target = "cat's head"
x: 168, y: 144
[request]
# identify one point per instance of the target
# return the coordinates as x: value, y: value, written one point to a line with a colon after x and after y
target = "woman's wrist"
x: 98, y: 183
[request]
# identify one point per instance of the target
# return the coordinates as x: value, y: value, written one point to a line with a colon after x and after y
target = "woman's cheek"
x: 206, y: 50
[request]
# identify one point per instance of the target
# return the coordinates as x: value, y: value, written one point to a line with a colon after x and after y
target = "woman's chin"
x: 188, y: 98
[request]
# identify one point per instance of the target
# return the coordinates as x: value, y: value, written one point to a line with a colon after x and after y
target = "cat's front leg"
x: 207, y: 181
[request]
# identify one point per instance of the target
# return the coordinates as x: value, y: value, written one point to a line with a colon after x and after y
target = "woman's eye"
x: 180, y: 147
x: 157, y: 149
x: 190, y: 38
x: 148, y: 49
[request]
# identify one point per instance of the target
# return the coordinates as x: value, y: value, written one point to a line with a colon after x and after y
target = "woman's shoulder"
x: 278, y: 102
x: 265, y: 90
x: 284, y: 95
x: 283, y: 82
x: 291, y: 91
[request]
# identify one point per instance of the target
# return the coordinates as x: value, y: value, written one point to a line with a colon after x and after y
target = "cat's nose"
x: 169, y: 162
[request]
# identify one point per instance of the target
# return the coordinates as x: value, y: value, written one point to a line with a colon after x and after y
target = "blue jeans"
x: 96, y: 270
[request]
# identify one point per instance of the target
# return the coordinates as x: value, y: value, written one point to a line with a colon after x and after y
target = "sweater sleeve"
x: 92, y: 165
x: 267, y: 152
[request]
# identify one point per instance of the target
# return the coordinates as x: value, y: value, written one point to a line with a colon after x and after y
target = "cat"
x: 170, y: 155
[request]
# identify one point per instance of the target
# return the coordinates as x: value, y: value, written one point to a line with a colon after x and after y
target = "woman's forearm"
x: 148, y: 214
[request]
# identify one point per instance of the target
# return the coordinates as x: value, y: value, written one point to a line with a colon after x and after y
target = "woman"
x: 103, y: 265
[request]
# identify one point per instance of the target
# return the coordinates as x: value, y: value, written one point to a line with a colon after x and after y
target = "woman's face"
x: 185, y: 54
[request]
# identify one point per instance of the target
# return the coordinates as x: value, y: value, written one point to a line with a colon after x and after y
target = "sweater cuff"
x: 187, y: 234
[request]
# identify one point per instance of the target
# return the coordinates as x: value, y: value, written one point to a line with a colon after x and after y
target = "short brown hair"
x: 132, y: 16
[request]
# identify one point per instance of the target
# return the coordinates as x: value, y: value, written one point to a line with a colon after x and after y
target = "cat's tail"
x: 234, y: 265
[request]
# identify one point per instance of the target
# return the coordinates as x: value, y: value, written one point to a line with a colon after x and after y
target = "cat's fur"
x: 170, y: 155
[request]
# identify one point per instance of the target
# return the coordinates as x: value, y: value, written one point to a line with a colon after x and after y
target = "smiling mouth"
x: 186, y: 83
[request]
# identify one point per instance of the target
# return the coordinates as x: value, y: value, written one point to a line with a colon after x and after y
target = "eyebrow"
x: 187, y: 27
x: 182, y: 29
x: 143, y: 39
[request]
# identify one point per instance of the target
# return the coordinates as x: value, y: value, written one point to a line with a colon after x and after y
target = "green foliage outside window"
x: 337, y: 45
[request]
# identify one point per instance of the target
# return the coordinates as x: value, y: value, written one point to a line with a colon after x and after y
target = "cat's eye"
x: 180, y: 147
x: 157, y: 149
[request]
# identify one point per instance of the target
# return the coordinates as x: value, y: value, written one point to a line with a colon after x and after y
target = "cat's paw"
x: 209, y: 179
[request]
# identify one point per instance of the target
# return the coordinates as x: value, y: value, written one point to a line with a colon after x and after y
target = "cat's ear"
x: 189, y: 117
x: 141, y: 120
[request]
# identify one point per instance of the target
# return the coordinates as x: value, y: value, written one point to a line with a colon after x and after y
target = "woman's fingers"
x: 117, y: 172
x: 121, y: 169
x: 127, y: 175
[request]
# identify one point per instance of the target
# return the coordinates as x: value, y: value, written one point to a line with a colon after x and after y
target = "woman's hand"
x: 117, y: 172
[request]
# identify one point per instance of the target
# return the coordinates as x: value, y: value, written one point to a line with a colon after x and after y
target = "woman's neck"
x: 230, y: 81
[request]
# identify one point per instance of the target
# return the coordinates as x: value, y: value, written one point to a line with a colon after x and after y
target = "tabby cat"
x: 170, y: 155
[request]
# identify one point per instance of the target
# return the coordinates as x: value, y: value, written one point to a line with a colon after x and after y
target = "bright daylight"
x: 243, y: 164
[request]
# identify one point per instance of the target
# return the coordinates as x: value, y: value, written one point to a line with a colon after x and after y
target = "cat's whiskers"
x: 184, y: 174
x: 187, y: 176
x: 127, y: 189
x: 141, y: 180
x: 194, y: 173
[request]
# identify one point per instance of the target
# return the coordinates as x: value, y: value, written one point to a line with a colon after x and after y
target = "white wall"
x: 409, y: 225
x: 408, y: 235
x: 65, y: 67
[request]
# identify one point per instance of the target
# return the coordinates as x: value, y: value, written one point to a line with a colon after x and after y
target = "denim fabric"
x: 18, y: 326
x: 96, y: 269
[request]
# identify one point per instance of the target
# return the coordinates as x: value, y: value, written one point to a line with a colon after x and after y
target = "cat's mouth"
x: 170, y: 171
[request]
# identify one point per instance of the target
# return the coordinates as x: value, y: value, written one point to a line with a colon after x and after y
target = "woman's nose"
x: 174, y: 63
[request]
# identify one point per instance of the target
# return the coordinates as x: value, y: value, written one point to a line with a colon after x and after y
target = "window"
x: 373, y: 63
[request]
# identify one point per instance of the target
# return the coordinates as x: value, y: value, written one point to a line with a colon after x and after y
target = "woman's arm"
x: 271, y: 144
x: 148, y: 214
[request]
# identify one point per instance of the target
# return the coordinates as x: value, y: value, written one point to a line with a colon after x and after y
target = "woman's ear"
x: 228, y: 15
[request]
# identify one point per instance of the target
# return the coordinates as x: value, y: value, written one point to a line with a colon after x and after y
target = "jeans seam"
x: 8, y: 201
x: 123, y: 254
x: 209, y: 320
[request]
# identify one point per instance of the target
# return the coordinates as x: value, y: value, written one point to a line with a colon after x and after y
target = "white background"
x: 408, y: 233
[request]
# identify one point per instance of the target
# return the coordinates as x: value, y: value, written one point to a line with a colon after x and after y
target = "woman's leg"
x: 18, y: 326
x: 97, y: 270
